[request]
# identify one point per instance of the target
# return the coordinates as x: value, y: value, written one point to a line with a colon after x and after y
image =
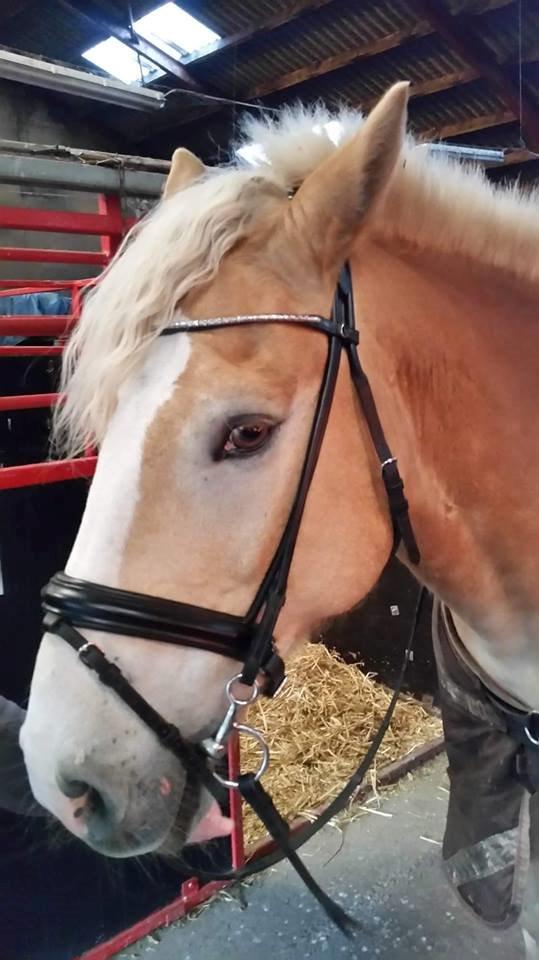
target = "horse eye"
x: 247, y: 436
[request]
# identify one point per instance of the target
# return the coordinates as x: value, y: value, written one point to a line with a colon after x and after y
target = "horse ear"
x: 334, y: 201
x: 184, y: 168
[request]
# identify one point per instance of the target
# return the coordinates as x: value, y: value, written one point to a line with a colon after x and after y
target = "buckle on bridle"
x: 349, y: 334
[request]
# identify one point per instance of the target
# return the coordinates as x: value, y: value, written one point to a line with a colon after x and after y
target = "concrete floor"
x: 385, y: 871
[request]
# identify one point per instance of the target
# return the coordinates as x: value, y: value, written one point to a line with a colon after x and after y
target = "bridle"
x: 72, y: 604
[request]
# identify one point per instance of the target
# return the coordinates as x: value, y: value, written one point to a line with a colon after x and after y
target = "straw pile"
x: 319, y: 726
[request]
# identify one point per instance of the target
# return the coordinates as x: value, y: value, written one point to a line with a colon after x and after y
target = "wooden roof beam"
x: 338, y: 61
x: 513, y: 157
x: 328, y: 65
x: 424, y: 88
x: 459, y: 33
x: 254, y: 30
x: 293, y: 12
x: 460, y: 127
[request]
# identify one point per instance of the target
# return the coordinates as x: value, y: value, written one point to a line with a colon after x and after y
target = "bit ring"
x: 264, y: 760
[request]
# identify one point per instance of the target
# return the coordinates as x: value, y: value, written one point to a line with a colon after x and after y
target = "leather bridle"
x: 71, y: 604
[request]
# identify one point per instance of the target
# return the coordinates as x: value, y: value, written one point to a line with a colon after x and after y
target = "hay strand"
x: 319, y: 726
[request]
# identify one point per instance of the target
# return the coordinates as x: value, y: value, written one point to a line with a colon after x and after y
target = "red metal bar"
x: 32, y: 474
x: 31, y: 351
x: 192, y: 896
x: 60, y: 221
x: 237, y: 843
x: 110, y: 205
x: 75, y: 302
x: 37, y: 255
x: 35, y: 326
x: 29, y: 401
x: 31, y: 286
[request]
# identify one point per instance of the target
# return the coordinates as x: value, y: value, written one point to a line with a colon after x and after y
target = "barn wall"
x: 28, y: 115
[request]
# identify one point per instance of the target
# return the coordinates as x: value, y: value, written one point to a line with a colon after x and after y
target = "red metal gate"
x: 110, y: 226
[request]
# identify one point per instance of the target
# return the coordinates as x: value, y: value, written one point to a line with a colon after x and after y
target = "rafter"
x: 424, y: 88
x: 336, y: 62
x: 460, y: 127
x: 92, y: 14
x: 418, y: 29
x: 254, y: 30
x: 329, y: 65
x: 421, y: 27
x: 460, y: 33
x: 285, y: 16
x: 513, y: 157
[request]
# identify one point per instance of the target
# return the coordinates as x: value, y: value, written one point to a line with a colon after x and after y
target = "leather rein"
x: 71, y: 605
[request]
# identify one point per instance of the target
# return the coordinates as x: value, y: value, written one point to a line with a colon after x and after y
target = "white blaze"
x: 103, y: 533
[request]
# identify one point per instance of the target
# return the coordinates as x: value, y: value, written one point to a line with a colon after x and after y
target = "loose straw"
x: 319, y: 726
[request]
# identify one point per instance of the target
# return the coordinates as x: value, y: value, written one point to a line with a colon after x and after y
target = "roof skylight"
x: 174, y: 30
x: 122, y: 62
x: 168, y: 27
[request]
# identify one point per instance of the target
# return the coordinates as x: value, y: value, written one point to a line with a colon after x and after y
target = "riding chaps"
x: 493, y: 769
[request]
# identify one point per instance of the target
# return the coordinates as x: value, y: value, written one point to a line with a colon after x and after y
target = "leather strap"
x: 107, y: 609
x: 254, y: 794
x: 70, y: 603
x: 110, y: 675
x: 171, y: 739
x: 271, y: 594
x: 308, y: 830
x: 393, y: 483
x: 247, y: 639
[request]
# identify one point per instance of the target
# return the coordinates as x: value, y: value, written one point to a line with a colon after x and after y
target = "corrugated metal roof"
x: 500, y: 31
x: 530, y: 76
x: 227, y: 17
x: 324, y: 50
x: 421, y: 61
x: 54, y: 31
x: 428, y: 115
x: 335, y: 28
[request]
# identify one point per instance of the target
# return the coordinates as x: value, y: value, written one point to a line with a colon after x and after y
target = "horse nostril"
x: 72, y: 788
x: 89, y: 801
x: 96, y: 804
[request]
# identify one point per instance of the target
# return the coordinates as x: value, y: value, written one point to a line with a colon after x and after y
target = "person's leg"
x: 530, y: 909
x: 15, y: 792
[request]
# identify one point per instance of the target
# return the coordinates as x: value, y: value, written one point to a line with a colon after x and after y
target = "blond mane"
x: 433, y: 201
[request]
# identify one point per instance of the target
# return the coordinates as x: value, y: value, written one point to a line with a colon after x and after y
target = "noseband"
x: 71, y: 604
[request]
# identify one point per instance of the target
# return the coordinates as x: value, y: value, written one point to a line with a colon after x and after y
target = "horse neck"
x: 451, y: 348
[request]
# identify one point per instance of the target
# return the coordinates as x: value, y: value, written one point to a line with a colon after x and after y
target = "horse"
x: 202, y: 438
